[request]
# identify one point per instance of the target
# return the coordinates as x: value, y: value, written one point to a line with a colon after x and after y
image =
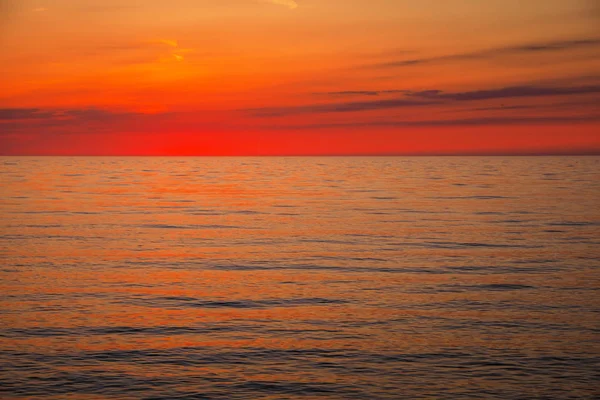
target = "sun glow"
x: 339, y: 77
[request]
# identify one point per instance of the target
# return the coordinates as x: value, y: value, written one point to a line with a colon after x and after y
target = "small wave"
x: 120, y: 330
x: 215, y: 226
x: 470, y: 197
x: 192, y: 302
x: 504, y: 269
x: 574, y: 223
x: 487, y: 287
x: 458, y: 245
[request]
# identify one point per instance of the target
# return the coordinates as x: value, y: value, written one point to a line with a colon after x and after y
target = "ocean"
x: 299, y: 278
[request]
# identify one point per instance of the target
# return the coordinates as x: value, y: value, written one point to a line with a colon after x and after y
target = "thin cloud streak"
x: 508, y: 92
x: 90, y: 120
x: 11, y: 114
x: 338, y: 107
x: 428, y: 97
x: 535, y: 48
x: 484, y: 121
x: 362, y: 92
x: 291, y: 4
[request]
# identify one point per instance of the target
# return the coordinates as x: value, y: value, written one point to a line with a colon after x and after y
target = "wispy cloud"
x: 8, y: 114
x: 339, y: 107
x: 39, y: 9
x: 508, y: 92
x: 168, y: 42
x: 533, y: 48
x: 176, y: 53
x: 72, y: 114
x: 52, y: 121
x: 427, y: 97
x: 291, y: 4
x: 362, y: 92
x: 482, y: 121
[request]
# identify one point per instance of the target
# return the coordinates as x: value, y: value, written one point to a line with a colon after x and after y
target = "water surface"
x: 299, y: 278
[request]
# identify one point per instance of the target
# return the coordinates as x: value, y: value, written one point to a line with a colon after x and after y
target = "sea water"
x: 299, y: 278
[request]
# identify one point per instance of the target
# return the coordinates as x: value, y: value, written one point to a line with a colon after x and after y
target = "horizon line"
x: 545, y: 154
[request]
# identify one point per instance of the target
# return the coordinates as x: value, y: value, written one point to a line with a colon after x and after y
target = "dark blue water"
x: 289, y: 278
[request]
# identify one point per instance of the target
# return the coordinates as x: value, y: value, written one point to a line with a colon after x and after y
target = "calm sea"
x: 299, y: 278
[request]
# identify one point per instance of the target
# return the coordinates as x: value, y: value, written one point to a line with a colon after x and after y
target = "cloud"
x: 483, y: 121
x: 504, y: 108
x: 337, y: 107
x: 508, y: 92
x: 426, y: 97
x: 362, y: 92
x: 168, y: 42
x: 291, y: 4
x: 76, y: 114
x: 177, y: 53
x: 534, y: 48
x: 9, y: 114
x: 52, y: 121
x: 40, y: 9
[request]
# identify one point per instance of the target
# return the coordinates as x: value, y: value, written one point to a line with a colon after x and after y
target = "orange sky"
x: 261, y: 77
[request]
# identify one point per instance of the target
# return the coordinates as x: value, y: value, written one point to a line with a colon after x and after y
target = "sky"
x: 299, y: 77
